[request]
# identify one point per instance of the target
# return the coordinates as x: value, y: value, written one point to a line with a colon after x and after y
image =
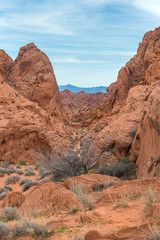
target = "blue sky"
x: 87, y: 41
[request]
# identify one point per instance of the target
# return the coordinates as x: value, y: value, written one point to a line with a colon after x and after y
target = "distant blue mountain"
x: 75, y: 89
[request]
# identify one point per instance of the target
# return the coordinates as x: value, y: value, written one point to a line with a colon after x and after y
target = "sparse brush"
x: 45, y: 180
x: 103, y: 186
x: 27, y: 185
x: 39, y: 229
x: 3, y: 195
x: 20, y: 172
x: 85, y: 197
x: 43, y: 173
x: 153, y: 232
x: 19, y: 229
x: 150, y: 197
x: 28, y: 168
x: 123, y: 169
x: 4, y: 170
x: 8, y: 188
x: 24, y: 227
x: 18, y: 167
x: 79, y: 238
x: 4, y: 231
x: 12, y: 179
x: 1, y: 174
x: 123, y: 202
x: 11, y: 169
x: 29, y: 173
x: 4, y: 164
x: 1, y: 189
x: 22, y: 163
x: 8, y: 213
x: 24, y: 180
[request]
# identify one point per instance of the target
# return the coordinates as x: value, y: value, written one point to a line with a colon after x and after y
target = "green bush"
x: 123, y: 169
x: 22, y: 163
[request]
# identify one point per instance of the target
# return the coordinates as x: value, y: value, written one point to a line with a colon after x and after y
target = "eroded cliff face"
x: 145, y: 149
x: 30, y: 106
x: 33, y: 77
x: 133, y: 104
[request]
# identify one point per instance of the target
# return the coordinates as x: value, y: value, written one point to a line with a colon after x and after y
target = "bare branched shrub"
x: 83, y: 195
x: 27, y: 185
x: 8, y: 213
x: 71, y: 164
x: 12, y: 179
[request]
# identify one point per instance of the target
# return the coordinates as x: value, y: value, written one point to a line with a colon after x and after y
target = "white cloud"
x: 152, y: 6
x: 76, y: 60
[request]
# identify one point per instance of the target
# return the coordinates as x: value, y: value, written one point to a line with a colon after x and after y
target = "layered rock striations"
x: 33, y: 77
x: 133, y: 104
x: 30, y: 106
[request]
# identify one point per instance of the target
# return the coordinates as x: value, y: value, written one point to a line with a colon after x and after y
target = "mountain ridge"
x: 76, y: 89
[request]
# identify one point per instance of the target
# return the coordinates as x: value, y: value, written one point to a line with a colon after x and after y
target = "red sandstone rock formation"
x: 49, y: 197
x: 30, y: 122
x: 81, y: 105
x: 33, y: 77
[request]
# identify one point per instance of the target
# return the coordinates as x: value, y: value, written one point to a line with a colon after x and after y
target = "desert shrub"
x: 123, y: 169
x: 153, y: 233
x: 93, y: 170
x: 39, y: 229
x: 29, y: 173
x: 45, y: 180
x: 71, y: 163
x: 44, y: 172
x: 19, y: 229
x: 1, y: 174
x: 27, y: 185
x: 22, y: 163
x: 4, y: 164
x: 24, y: 180
x: 1, y: 189
x: 4, y: 231
x: 12, y: 179
x: 18, y: 167
x: 3, y: 195
x: 24, y: 228
x: 8, y: 188
x: 20, y: 172
x: 103, y: 186
x: 28, y: 169
x: 11, y: 169
x: 4, y: 170
x: 150, y: 197
x: 82, y: 194
x: 8, y: 213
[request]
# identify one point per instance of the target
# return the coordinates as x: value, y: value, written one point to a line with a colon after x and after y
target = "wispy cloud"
x: 98, y: 35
